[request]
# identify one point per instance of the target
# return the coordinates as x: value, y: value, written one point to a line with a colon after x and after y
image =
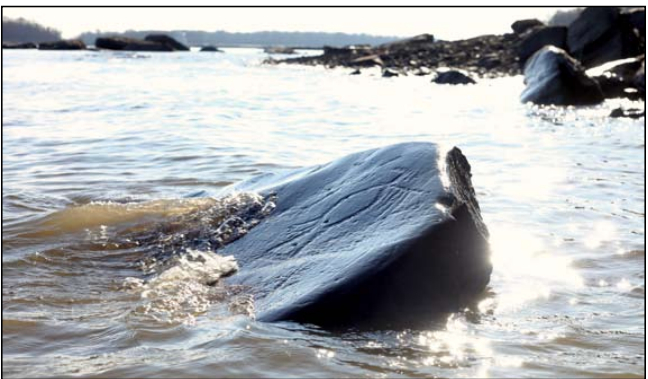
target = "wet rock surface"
x: 379, y: 238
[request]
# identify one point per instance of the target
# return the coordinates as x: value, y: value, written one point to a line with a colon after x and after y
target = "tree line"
x: 21, y: 30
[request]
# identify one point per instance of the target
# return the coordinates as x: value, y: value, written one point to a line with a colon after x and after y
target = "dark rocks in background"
x: 421, y: 39
x: 25, y: 45
x: 489, y: 55
x: 62, y: 45
x: 355, y: 72
x: 359, y: 241
x: 279, y: 50
x: 522, y: 26
x: 636, y: 19
x: 617, y: 78
x: 129, y: 44
x: 628, y: 113
x: 153, y: 42
x: 553, y: 77
x: 211, y: 49
x: 453, y: 77
x: 422, y: 71
x: 389, y: 73
x: 539, y: 38
x: 639, y: 79
x: 599, y: 35
x: 167, y: 41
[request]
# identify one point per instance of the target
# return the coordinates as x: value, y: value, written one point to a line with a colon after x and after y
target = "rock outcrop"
x: 154, y: 42
x: 553, y: 77
x: 383, y: 238
x: 165, y: 40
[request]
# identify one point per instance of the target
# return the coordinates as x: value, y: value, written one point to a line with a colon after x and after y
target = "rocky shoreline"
x: 483, y: 56
x: 598, y: 36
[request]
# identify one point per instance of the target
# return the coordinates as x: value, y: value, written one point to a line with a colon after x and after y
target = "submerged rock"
x: 72, y: 44
x: 381, y: 238
x: 453, y: 77
x: 553, y: 77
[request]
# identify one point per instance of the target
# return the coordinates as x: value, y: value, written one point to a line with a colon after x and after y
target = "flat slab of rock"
x: 385, y: 237
x: 553, y: 77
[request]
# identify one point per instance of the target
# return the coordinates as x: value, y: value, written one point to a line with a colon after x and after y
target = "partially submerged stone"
x: 385, y: 237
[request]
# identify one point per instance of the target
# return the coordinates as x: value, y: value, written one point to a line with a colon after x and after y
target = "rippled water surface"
x: 110, y: 158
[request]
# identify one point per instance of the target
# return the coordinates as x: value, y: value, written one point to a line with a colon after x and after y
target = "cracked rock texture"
x: 378, y: 238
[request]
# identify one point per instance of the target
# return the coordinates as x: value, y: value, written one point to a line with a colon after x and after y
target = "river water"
x: 107, y: 155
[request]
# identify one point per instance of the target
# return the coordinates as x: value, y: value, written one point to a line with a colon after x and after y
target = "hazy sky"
x: 445, y: 23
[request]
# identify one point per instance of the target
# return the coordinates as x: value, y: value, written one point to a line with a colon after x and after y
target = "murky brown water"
x: 101, y: 149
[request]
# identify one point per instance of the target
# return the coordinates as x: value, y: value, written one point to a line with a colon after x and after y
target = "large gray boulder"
x: 553, y: 77
x: 385, y: 237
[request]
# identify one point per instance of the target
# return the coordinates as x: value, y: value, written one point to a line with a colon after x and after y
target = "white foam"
x: 185, y: 290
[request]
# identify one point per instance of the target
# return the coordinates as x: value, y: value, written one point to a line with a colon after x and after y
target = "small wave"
x: 187, y: 289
